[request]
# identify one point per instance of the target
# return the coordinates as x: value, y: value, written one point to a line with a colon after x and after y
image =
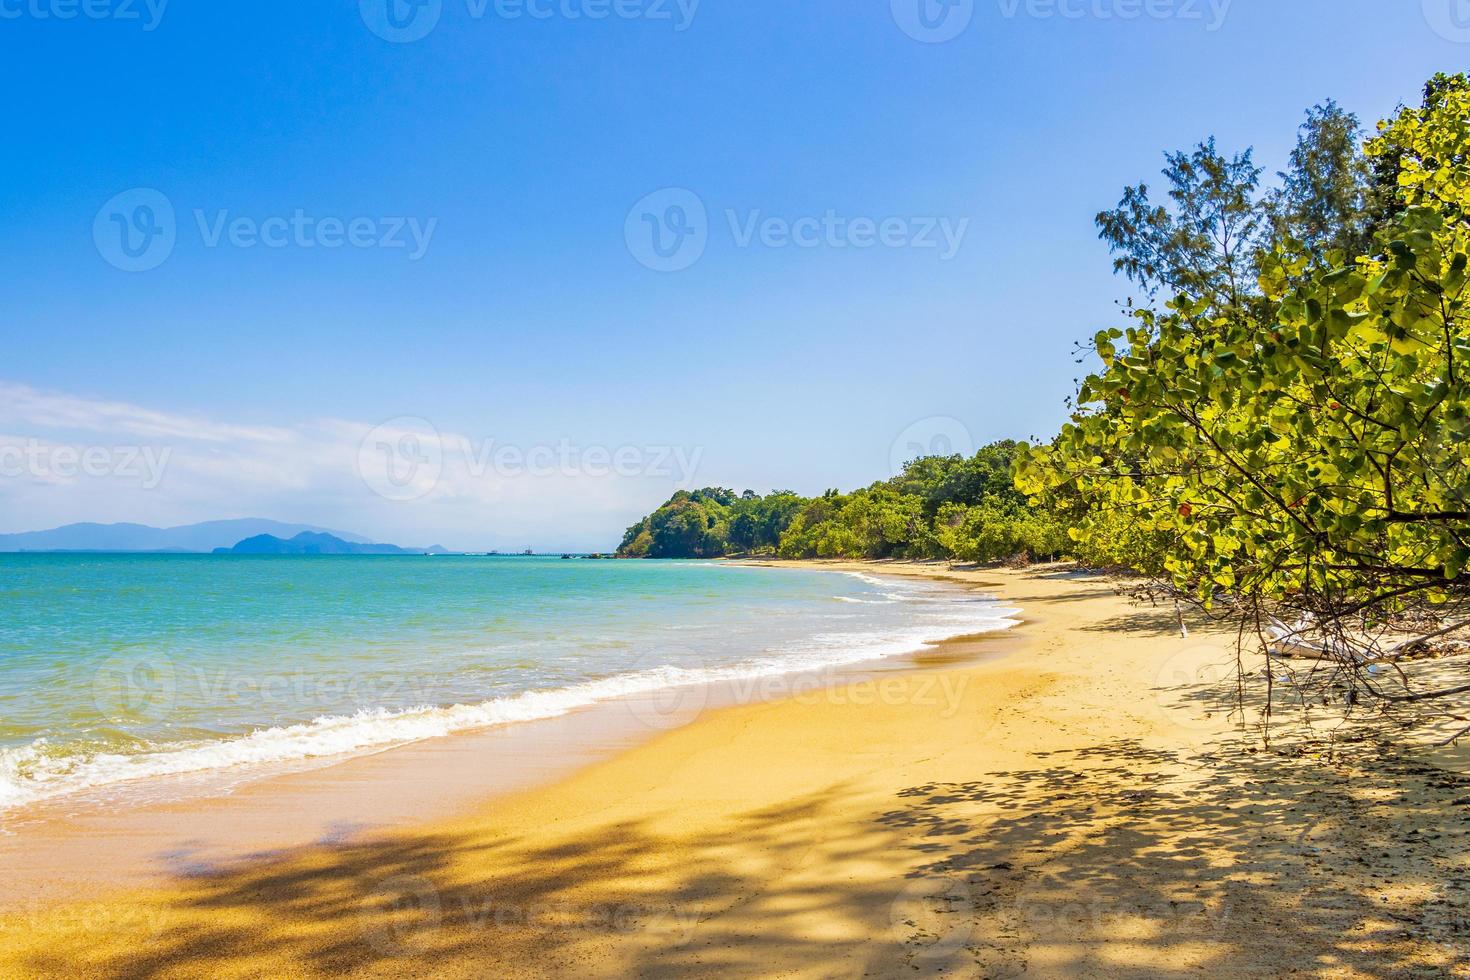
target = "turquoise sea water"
x: 119, y: 668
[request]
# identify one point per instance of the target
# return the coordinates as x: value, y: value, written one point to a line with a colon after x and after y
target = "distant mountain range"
x: 202, y: 538
x: 310, y: 543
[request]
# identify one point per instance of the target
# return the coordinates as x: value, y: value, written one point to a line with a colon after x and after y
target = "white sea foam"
x: 865, y: 577
x: 32, y: 772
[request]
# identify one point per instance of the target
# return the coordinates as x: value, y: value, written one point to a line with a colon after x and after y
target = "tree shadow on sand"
x: 1107, y: 861
x: 1101, y: 861
x: 1115, y: 859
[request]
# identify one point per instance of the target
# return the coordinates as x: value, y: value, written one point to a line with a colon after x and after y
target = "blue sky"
x: 519, y: 313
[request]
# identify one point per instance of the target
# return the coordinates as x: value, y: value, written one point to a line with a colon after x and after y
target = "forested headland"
x: 939, y: 507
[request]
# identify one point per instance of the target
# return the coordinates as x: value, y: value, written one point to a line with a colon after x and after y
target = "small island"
x: 310, y: 543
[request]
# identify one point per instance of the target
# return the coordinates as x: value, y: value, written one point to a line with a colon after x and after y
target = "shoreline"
x: 148, y: 831
x: 296, y: 737
x: 1083, y: 808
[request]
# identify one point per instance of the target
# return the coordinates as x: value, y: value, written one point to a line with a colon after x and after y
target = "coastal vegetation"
x: 1284, y: 414
x: 1278, y: 430
x: 965, y: 508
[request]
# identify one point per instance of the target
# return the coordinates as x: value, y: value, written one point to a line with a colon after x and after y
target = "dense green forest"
x: 1281, y: 424
x: 939, y: 507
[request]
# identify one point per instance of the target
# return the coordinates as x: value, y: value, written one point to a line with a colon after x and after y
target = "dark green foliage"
x: 939, y: 507
x: 1329, y: 197
x: 1307, y: 446
x: 1205, y: 241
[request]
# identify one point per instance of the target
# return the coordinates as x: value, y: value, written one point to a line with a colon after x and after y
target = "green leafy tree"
x: 1204, y: 243
x: 1312, y: 456
x: 1328, y: 198
x: 897, y: 518
x: 745, y: 532
x: 680, y: 530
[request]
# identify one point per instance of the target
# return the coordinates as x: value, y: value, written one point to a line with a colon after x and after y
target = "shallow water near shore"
x: 118, y: 670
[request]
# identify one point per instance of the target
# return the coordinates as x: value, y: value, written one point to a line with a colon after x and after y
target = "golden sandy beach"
x: 1075, y: 803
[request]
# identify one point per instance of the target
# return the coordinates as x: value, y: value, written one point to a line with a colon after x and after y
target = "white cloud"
x: 66, y: 458
x: 21, y: 403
